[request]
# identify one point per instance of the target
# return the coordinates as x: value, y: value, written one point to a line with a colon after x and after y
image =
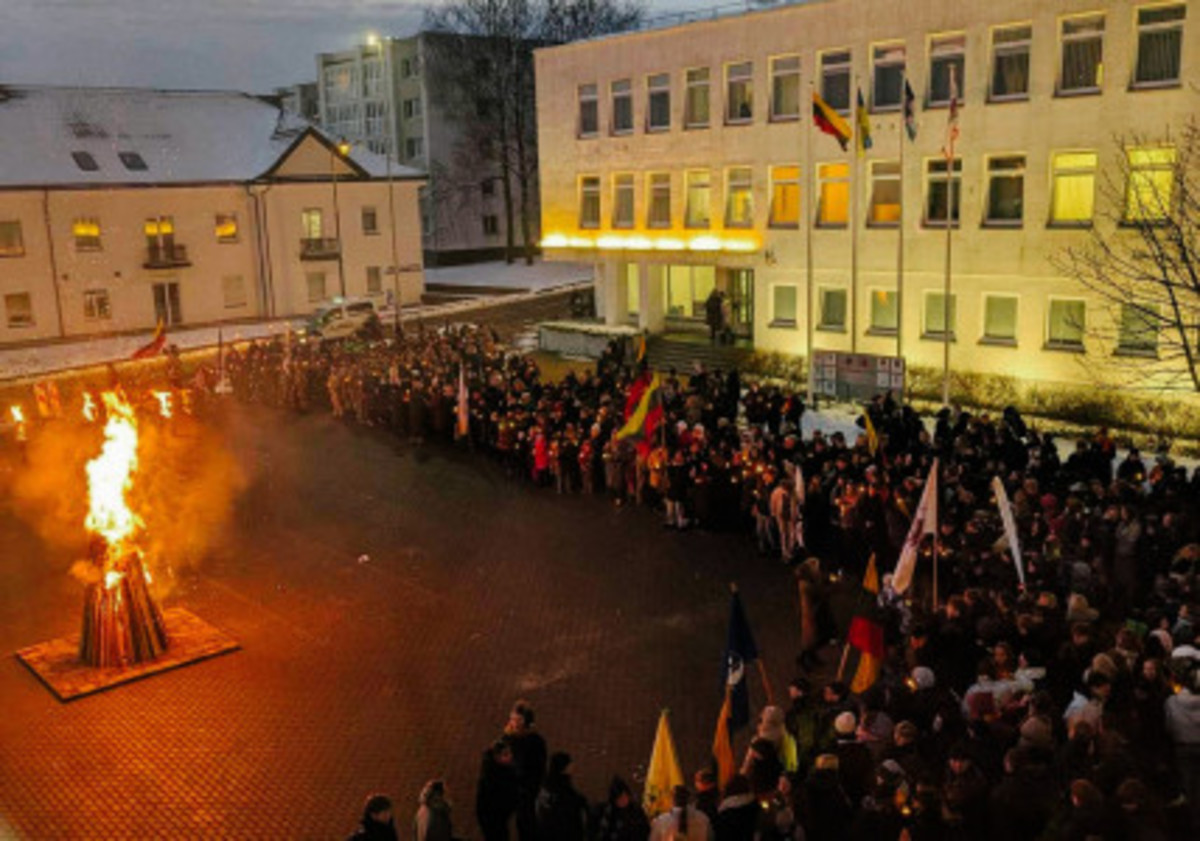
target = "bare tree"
x: 1142, y: 260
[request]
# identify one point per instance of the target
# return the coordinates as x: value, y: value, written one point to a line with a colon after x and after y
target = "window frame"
x: 245, y: 300
x: 625, y: 95
x: 85, y: 243
x: 822, y: 180
x: 688, y: 84
x: 586, y: 192
x: 664, y: 178
x: 874, y: 329
x: 774, y: 115
x: 772, y: 219
x: 828, y: 326
x: 19, y: 324
x: 778, y: 322
x: 1140, y: 29
x: 374, y: 229
x: 1147, y: 351
x: 18, y: 248
x: 1068, y: 171
x: 1064, y: 38
x: 687, y: 199
x: 939, y: 335
x: 887, y: 63
x: 746, y: 185
x: 897, y: 177
x: 991, y: 175
x: 592, y: 99
x: 936, y: 58
x: 1057, y: 344
x: 1009, y: 49
x: 1128, y: 219
x: 308, y: 290
x: 928, y: 180
x: 617, y: 222
x: 491, y: 224
x: 1000, y: 341
x: 226, y: 239
x: 837, y: 68
x: 663, y: 89
x: 90, y: 299
x: 748, y: 82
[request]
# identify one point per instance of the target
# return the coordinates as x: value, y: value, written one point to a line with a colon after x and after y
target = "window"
x: 96, y: 306
x: 633, y: 292
x: 739, y: 197
x: 233, y: 290
x: 699, y: 199
x: 1000, y: 319
x: 225, y: 226
x: 937, y: 320
x: 887, y: 74
x: 1082, y: 41
x: 785, y: 87
x: 622, y: 107
x: 833, y: 309
x: 11, y: 244
x: 1160, y: 41
x: 695, y: 106
x: 589, y: 111
x: 85, y: 161
x: 1074, y: 188
x: 491, y: 225
x: 487, y: 188
x: 1138, y: 330
x: 370, y: 221
x: 739, y: 92
x: 374, y: 280
x: 406, y: 68
x: 414, y: 147
x: 86, y: 231
x: 659, y: 215
x: 1151, y: 178
x: 688, y: 287
x: 785, y: 196
x: 311, y: 223
x: 623, y: 200
x: 18, y: 308
x: 936, y: 182
x: 315, y: 281
x: 833, y: 202
x: 1006, y: 190
x: 885, y: 194
x: 412, y: 107
x: 658, y: 102
x: 783, y: 305
x: 589, y: 201
x: 947, y: 60
x: 1010, y: 62
x: 835, y: 80
x: 884, y: 312
x: 1067, y: 321
x: 132, y: 161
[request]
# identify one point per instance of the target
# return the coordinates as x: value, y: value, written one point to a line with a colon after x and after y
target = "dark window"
x: 132, y: 160
x: 85, y: 161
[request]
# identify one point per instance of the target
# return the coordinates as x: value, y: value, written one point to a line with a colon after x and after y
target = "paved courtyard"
x: 391, y: 603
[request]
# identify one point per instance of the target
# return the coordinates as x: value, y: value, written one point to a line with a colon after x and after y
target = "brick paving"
x: 356, y: 677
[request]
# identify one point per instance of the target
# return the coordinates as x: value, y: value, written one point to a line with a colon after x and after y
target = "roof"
x: 175, y: 137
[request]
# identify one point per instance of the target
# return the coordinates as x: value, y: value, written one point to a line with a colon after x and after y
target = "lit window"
x: 1160, y: 43
x: 785, y: 196
x: 633, y: 291
x: 739, y: 92
x: 947, y: 60
x: 18, y: 309
x: 695, y: 107
x: 1067, y: 322
x: 312, y: 223
x: 885, y: 194
x: 687, y: 288
x: 1082, y: 41
x: 85, y: 161
x: 589, y: 111
x: 1010, y: 61
x: 374, y: 280
x: 622, y: 106
x: 658, y: 107
x: 1151, y: 179
x: 833, y: 309
x: 132, y: 161
x: 226, y: 227
x: 659, y: 215
x: 11, y: 243
x: 1138, y: 330
x: 1074, y: 189
x: 936, y: 182
x: 623, y: 214
x: 835, y: 80
x: 589, y: 201
x: 699, y: 199
x: 884, y: 313
x: 96, y: 306
x: 833, y: 203
x: 739, y: 197
x: 233, y: 290
x: 936, y: 318
x: 785, y: 87
x: 315, y: 282
x: 783, y: 304
x: 888, y: 62
x: 370, y: 221
x: 86, y: 231
x: 1000, y: 318
x: 1006, y: 190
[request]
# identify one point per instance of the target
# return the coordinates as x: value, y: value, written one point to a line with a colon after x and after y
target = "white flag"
x: 924, y: 522
x: 1010, y: 526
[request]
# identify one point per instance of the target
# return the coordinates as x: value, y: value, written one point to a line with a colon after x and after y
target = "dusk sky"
x: 250, y: 45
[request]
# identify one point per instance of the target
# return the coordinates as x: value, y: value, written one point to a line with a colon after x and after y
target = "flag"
x: 643, y: 412
x: 740, y: 652
x: 155, y: 345
x: 864, y: 125
x: 910, y: 111
x: 664, y: 772
x: 872, y: 435
x: 1010, y: 526
x: 866, y: 633
x: 464, y: 416
x: 830, y: 121
x: 722, y: 749
x: 871, y: 577
x: 641, y: 351
x: 952, y: 117
x: 924, y: 522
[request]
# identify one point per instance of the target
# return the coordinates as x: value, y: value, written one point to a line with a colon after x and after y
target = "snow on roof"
x: 60, y: 136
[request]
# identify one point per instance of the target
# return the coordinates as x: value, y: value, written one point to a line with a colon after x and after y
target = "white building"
x: 122, y: 207
x: 685, y: 158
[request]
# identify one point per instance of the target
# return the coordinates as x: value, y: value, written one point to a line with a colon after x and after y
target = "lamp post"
x: 341, y: 150
x: 391, y: 150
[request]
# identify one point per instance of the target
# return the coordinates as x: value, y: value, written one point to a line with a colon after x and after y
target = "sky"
x: 252, y: 45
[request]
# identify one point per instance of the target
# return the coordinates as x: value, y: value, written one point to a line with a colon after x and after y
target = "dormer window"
x: 132, y: 160
x: 85, y: 161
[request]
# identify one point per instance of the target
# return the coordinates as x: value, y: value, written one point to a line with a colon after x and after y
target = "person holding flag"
x: 924, y: 522
x: 663, y: 774
x: 740, y: 652
x: 865, y: 635
x: 643, y: 412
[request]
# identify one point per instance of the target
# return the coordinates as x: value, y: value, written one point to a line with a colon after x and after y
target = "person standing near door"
x: 713, y: 315
x: 726, y: 319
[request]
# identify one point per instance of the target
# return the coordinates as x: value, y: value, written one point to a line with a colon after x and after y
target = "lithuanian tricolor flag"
x: 643, y: 411
x: 830, y: 121
x: 866, y: 635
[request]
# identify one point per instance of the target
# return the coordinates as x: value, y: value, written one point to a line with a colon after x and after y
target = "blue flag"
x: 740, y: 652
x: 910, y: 112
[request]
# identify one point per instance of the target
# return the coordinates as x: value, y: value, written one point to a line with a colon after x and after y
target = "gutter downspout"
x: 58, y: 311
x: 266, y: 281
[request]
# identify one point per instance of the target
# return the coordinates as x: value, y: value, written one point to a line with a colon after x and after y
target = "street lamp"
x: 342, y: 149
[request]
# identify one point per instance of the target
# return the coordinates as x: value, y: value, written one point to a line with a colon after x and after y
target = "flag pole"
x: 903, y: 130
x: 952, y: 131
x: 855, y: 163
x: 808, y: 250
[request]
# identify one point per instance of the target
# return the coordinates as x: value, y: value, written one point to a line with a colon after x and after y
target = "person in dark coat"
x: 708, y: 794
x: 432, y: 821
x: 620, y: 818
x: 737, y: 816
x: 497, y: 793
x: 377, y: 823
x: 561, y: 811
x: 1021, y: 805
x: 529, y: 759
x: 825, y: 807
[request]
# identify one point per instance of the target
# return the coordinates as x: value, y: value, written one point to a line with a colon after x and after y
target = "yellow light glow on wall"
x: 669, y: 245
x: 227, y: 228
x: 705, y: 243
x: 554, y: 241
x: 86, y: 228
x: 638, y: 242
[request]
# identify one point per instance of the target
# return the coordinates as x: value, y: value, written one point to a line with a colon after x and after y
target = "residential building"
x: 301, y: 100
x: 380, y: 94
x: 120, y: 208
x: 683, y: 159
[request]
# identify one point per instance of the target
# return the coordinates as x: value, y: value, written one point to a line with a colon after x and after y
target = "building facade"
x: 380, y: 94
x: 121, y: 208
x: 683, y: 159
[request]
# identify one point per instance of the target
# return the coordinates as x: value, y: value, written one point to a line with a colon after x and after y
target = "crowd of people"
x: 1055, y: 701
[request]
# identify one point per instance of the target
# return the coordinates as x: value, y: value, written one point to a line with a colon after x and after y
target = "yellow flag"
x: 722, y: 749
x: 664, y: 772
x: 871, y: 577
x: 866, y: 674
x: 872, y: 436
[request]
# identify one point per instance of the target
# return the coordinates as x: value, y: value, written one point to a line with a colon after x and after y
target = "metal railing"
x: 320, y: 248
x: 164, y: 256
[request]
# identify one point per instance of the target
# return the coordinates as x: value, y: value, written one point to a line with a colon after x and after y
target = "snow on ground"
x: 540, y: 275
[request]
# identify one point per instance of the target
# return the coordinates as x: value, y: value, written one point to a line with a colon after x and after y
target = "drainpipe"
x: 266, y: 283
x: 58, y: 310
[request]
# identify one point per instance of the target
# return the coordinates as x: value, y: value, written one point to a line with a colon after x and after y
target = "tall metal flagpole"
x: 900, y: 218
x: 808, y: 249
x: 391, y: 150
x: 952, y: 131
x: 855, y: 163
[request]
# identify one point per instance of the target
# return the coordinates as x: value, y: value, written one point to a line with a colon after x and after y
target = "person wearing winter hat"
x: 377, y: 823
x: 855, y: 763
x: 620, y: 818
x: 771, y: 726
x: 561, y: 811
x: 432, y: 821
x: 1078, y: 609
x: 738, y: 813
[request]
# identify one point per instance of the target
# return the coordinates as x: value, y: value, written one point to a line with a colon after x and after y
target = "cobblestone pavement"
x: 357, y: 676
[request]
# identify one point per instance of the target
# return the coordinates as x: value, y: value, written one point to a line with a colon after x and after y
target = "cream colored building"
x: 679, y: 159
x: 120, y: 208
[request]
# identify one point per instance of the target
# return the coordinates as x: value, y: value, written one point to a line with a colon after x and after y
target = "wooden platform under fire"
x: 57, y: 663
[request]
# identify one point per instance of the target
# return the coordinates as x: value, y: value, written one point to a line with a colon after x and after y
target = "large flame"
x: 18, y: 415
x: 164, y: 402
x: 110, y: 476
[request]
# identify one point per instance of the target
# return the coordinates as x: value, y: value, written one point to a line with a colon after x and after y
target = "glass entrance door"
x: 741, y: 299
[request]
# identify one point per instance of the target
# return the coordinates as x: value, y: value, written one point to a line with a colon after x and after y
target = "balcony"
x: 164, y: 256
x: 320, y: 248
